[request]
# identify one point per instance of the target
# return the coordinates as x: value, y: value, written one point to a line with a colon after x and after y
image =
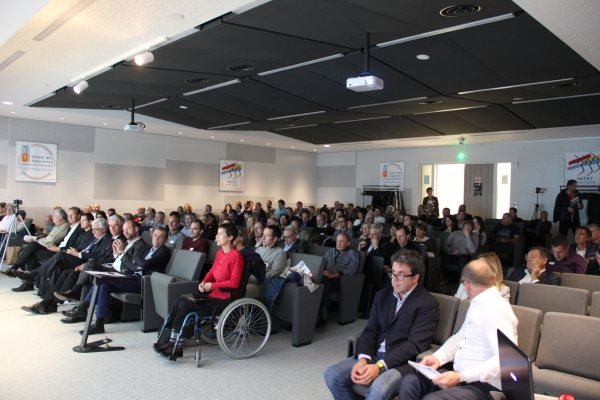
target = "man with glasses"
x: 272, y: 254
x: 342, y: 226
x: 401, y: 325
x: 290, y: 243
x: 537, y: 262
x: 375, y: 245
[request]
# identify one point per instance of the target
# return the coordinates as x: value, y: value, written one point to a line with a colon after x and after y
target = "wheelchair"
x: 241, y: 330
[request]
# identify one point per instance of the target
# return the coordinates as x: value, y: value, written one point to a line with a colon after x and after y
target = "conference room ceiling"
x: 511, y: 74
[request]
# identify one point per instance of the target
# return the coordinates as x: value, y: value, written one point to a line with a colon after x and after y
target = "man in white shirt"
x: 537, y: 261
x: 474, y: 348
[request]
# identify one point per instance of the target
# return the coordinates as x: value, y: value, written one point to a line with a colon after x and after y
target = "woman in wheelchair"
x: 226, y: 272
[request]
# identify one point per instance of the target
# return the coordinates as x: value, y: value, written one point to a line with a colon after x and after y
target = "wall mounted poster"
x: 36, y: 162
x: 584, y: 167
x: 231, y: 175
x: 391, y: 174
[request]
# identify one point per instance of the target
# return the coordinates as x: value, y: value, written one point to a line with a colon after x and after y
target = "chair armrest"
x: 352, y: 345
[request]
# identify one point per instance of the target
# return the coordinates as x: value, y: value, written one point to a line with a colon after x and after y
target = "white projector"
x: 364, y: 83
x: 135, y: 127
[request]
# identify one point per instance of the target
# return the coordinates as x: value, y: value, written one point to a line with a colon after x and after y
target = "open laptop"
x: 515, y: 370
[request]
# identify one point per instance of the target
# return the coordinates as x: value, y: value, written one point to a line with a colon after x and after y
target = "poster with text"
x: 231, y: 175
x: 391, y: 174
x: 584, y: 167
x: 36, y: 162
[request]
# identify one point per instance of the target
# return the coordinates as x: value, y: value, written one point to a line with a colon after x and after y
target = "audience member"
x: 504, y: 235
x: 290, y: 243
x: 593, y: 267
x: 566, y: 208
x: 365, y: 231
x: 391, y: 338
x: 583, y: 243
x: 468, y: 216
x: 494, y: 262
x: 284, y: 221
x: 210, y: 228
x: 423, y: 240
x: 195, y: 241
x: 537, y: 262
x: 176, y: 238
x: 459, y: 246
x: 563, y: 262
x: 159, y: 220
x: 342, y: 227
x: 595, y: 230
x: 376, y: 245
x: 480, y: 229
x: 188, y: 209
x: 280, y: 209
x: 431, y: 199
x: 379, y: 218
x: 272, y: 255
x: 187, y: 219
x: 537, y: 229
x: 513, y: 212
x: 9, y: 220
x: 323, y: 228
x: 256, y: 238
x: 307, y: 220
x: 140, y: 216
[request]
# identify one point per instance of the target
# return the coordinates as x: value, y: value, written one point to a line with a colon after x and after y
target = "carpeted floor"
x: 37, y: 362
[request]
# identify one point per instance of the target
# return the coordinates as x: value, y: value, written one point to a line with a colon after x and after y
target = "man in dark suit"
x: 403, y: 320
x: 151, y: 259
x: 323, y: 228
x: 306, y: 220
x: 376, y: 245
x: 290, y: 243
x: 99, y: 249
x: 537, y: 261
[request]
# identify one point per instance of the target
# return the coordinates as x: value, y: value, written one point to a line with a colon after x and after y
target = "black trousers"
x: 181, y: 308
x: 416, y: 386
x: 27, y: 255
x: 60, y: 261
x: 563, y: 226
x: 329, y: 286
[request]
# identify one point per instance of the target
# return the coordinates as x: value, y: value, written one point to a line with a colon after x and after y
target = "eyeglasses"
x: 97, y: 229
x: 401, y: 277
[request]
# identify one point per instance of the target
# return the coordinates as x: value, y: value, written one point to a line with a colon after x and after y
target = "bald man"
x: 473, y: 349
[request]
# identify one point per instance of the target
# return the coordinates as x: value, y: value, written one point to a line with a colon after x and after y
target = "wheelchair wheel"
x: 244, y: 328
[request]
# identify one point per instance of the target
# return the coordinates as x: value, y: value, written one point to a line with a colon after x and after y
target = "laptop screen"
x: 515, y: 370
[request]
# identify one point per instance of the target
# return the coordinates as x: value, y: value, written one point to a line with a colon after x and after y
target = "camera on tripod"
x: 539, y: 190
x: 17, y: 203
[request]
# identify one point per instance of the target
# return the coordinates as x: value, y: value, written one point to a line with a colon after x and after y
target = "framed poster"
x: 231, y: 175
x: 36, y: 162
x: 584, y: 167
x: 391, y: 174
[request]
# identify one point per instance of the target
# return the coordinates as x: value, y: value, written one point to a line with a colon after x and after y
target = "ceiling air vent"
x: 429, y: 102
x: 111, y: 107
x: 196, y: 80
x: 566, y: 85
x: 460, y: 10
x: 241, y: 68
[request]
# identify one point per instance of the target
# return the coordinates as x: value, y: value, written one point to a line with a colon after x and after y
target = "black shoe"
x: 159, y: 348
x: 173, y: 356
x: 25, y: 287
x: 67, y: 313
x: 10, y: 272
x: 94, y: 330
x: 25, y: 276
x: 34, y: 309
x: 71, y: 320
x: 74, y: 315
x: 65, y: 296
x: 322, y: 322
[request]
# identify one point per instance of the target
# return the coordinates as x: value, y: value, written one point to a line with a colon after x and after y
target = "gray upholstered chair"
x: 350, y: 291
x: 373, y: 282
x: 317, y: 250
x: 554, y: 298
x: 297, y: 305
x: 595, y: 310
x: 591, y: 283
x: 354, y: 242
x: 448, y: 309
x: 514, y: 290
x: 146, y: 237
x: 528, y: 330
x: 566, y: 361
x: 463, y: 307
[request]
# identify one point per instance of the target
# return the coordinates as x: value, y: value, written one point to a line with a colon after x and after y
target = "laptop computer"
x: 515, y: 370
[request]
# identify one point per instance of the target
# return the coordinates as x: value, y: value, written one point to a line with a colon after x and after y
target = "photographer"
x: 7, y: 221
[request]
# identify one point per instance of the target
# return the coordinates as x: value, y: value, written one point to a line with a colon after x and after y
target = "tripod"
x: 11, y: 233
x: 536, y: 210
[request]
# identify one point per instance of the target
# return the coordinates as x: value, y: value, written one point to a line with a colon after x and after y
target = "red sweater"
x: 226, y: 272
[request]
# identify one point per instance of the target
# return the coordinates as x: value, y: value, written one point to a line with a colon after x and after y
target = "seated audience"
x: 176, y: 238
x: 563, y: 262
x: 210, y: 227
x: 431, y: 199
x: 272, y: 255
x: 284, y: 221
x: 379, y: 218
x: 376, y: 245
x: 188, y: 209
x: 494, y: 262
x: 468, y: 216
x: 501, y: 239
x: 513, y: 212
x: 307, y: 220
x: 290, y: 243
x: 150, y: 217
x: 480, y: 230
x: 422, y: 239
x: 365, y: 231
x: 195, y: 241
x: 537, y: 262
x: 387, y: 343
x: 536, y: 229
x: 8, y: 220
x: 583, y: 243
x: 188, y: 219
x: 595, y: 230
x: 272, y: 221
x: 342, y: 227
x: 159, y: 220
x: 139, y: 217
x: 459, y: 246
x: 593, y: 267
x: 255, y: 239
x: 323, y: 228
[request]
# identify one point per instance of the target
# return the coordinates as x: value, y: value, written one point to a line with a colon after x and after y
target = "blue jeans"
x: 339, y: 382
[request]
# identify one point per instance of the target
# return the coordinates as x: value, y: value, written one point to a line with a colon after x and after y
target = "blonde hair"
x: 494, y: 262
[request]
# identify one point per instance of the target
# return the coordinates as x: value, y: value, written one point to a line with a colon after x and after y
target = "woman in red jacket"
x: 226, y: 272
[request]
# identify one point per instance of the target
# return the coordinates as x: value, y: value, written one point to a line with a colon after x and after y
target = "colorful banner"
x: 231, y: 175
x: 391, y: 174
x: 584, y: 167
x: 36, y: 162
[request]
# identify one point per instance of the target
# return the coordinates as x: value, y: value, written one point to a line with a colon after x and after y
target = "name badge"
x: 551, y: 263
x: 172, y: 241
x: 191, y: 249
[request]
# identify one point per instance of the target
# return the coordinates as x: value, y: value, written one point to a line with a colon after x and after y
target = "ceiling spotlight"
x: 180, y: 133
x: 8, y: 103
x: 81, y: 86
x: 238, y: 68
x: 61, y: 118
x: 184, y: 107
x: 292, y: 147
x: 144, y: 58
x: 212, y: 137
x: 241, y: 140
x: 430, y: 102
x: 314, y: 149
x: 12, y: 112
x: 105, y: 123
x: 268, y: 144
x: 326, y: 145
x: 423, y: 57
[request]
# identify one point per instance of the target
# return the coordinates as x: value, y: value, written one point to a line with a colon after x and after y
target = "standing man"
x: 474, y: 348
x: 403, y: 320
x: 431, y: 199
x: 566, y: 208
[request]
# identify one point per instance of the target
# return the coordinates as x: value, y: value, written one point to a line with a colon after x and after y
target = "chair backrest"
x: 514, y: 290
x: 354, y: 243
x: 448, y: 309
x: 146, y: 237
x: 317, y: 250
x: 308, y: 229
x: 591, y: 283
x: 362, y: 258
x: 212, y: 251
x: 461, y: 315
x: 442, y: 235
x: 567, y: 343
x: 160, y: 283
x: 187, y: 265
x: 595, y: 310
x: 554, y: 298
x: 438, y: 244
x: 386, y: 229
x: 422, y: 251
x: 374, y: 270
x: 316, y: 264
x: 528, y: 330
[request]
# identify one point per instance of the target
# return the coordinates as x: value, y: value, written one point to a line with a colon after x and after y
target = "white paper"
x: 102, y: 273
x: 425, y: 370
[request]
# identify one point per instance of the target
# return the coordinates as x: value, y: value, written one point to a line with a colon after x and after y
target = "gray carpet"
x: 38, y: 362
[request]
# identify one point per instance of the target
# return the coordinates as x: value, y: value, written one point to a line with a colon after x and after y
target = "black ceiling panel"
x: 564, y: 112
x: 440, y: 103
x: 387, y: 128
x: 92, y: 98
x: 345, y: 22
x: 486, y: 119
x: 320, y: 134
x: 254, y: 100
x: 521, y: 50
x: 575, y: 87
x: 215, y: 49
x: 195, y: 115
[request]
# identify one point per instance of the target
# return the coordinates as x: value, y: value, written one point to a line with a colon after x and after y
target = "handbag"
x: 11, y: 254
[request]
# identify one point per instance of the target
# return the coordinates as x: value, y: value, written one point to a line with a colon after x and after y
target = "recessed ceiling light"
x: 12, y: 112
x: 268, y: 144
x: 430, y: 102
x: 518, y: 98
x: 176, y: 16
x: 184, y: 107
x: 196, y: 80
x: 566, y: 85
x: 241, y: 140
x: 326, y: 145
x: 180, y: 133
x: 61, y: 118
x: 212, y: 137
x: 423, y: 57
x: 314, y: 149
x: 105, y: 123
x: 460, y: 10
x: 241, y: 68
x: 292, y: 147
x: 8, y: 103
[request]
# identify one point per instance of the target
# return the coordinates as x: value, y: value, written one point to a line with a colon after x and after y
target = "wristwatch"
x: 382, y: 367
x: 462, y: 379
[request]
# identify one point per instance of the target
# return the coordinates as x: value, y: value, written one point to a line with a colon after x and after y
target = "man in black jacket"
x: 403, y: 320
x: 566, y: 208
x: 537, y: 262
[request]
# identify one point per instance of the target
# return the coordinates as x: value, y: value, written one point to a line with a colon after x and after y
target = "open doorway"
x: 449, y: 181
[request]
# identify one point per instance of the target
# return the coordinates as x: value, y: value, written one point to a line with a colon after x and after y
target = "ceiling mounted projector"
x: 365, y: 82
x: 134, y: 126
